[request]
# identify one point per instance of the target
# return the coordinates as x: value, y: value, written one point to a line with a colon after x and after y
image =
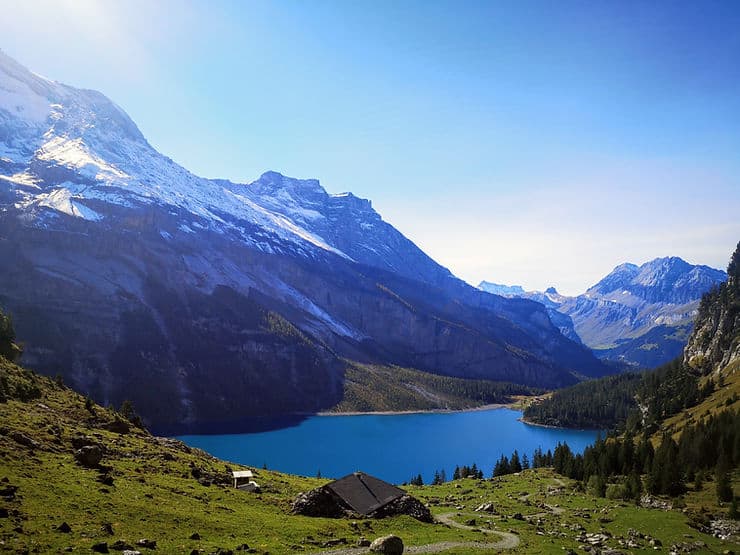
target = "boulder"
x: 149, y: 544
x: 89, y: 456
x: 101, y: 547
x: 79, y: 441
x: 389, y: 545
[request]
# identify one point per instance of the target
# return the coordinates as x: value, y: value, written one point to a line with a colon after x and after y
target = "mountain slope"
x: 206, y: 300
x: 638, y: 315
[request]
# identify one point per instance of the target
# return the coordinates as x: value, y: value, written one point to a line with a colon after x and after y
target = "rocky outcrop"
x: 715, y: 342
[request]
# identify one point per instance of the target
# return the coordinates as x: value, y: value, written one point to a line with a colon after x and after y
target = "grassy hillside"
x: 725, y: 395
x: 159, y: 489
x: 149, y: 487
x: 391, y: 388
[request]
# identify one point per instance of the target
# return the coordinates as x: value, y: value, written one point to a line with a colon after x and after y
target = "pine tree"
x: 515, y: 465
x: 525, y: 462
x: 456, y: 473
x: 8, y: 348
x: 724, y: 485
x: 596, y: 485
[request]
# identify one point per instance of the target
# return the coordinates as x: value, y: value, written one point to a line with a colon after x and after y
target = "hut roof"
x: 364, y: 493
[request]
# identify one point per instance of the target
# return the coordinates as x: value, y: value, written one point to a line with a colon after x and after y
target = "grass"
x: 156, y: 494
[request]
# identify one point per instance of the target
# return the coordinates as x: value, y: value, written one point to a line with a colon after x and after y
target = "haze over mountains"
x: 207, y: 300
x: 639, y: 315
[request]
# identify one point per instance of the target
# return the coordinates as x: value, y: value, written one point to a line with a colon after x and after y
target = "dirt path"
x: 507, y: 541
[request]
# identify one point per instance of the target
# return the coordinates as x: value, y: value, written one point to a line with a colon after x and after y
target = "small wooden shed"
x: 243, y: 480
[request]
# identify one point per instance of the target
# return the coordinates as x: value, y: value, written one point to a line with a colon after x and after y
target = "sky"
x: 518, y: 142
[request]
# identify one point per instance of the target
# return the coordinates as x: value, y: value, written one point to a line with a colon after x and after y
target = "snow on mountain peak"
x: 70, y: 150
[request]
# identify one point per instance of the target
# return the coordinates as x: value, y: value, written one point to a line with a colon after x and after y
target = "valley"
x: 201, y: 354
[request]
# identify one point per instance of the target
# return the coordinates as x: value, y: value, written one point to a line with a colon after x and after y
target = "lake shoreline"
x: 492, y: 406
x: 523, y: 420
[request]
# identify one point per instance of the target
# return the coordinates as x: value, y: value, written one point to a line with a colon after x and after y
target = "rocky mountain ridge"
x: 638, y: 315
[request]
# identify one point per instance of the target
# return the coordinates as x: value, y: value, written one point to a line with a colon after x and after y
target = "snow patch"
x: 62, y: 201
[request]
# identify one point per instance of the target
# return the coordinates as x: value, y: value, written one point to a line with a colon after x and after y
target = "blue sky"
x: 537, y: 143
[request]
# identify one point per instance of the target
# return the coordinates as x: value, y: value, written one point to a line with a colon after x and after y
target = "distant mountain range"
x: 205, y: 300
x: 638, y: 315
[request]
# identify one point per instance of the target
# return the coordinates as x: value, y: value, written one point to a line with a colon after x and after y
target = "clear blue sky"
x: 538, y: 143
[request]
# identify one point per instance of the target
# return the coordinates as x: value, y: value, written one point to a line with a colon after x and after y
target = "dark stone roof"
x: 364, y: 493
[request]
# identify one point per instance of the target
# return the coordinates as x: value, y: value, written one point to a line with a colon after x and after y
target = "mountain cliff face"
x: 715, y: 341
x: 639, y: 315
x: 205, y: 300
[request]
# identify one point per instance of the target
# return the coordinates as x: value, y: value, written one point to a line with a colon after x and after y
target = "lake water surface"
x: 391, y: 447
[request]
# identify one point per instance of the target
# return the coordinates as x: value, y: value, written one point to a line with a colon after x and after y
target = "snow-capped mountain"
x: 640, y: 315
x: 208, y: 300
x: 69, y: 151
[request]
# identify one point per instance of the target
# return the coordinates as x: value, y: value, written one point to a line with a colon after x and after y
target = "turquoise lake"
x: 391, y: 447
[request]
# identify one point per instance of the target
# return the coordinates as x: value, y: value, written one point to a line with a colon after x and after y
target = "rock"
x: 242, y: 547
x: 486, y: 508
x: 64, y: 528
x: 650, y: 502
x: 405, y: 505
x: 4, y: 512
x: 23, y: 439
x: 363, y: 542
x: 517, y: 516
x: 89, y: 456
x: 131, y: 552
x: 149, y: 544
x: 118, y: 426
x: 107, y: 528
x: 195, y: 536
x: 389, y: 545
x: 101, y: 547
x: 120, y: 545
x: 318, y: 502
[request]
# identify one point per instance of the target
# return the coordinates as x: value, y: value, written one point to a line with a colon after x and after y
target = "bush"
x: 596, y: 485
x: 616, y: 491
